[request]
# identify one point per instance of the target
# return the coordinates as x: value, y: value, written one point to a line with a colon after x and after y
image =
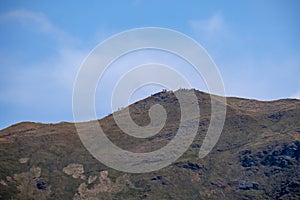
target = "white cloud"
x: 41, y: 81
x: 213, y: 33
x: 66, y: 67
x: 213, y: 30
x: 42, y: 88
x: 246, y: 73
x: 37, y: 22
x: 212, y: 25
x: 64, y: 64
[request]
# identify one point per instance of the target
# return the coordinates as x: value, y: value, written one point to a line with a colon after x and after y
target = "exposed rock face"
x: 23, y: 160
x: 31, y: 185
x: 41, y: 185
x: 276, y: 116
x: 93, y: 189
x: 190, y: 166
x: 96, y: 185
x: 92, y: 179
x: 244, y: 185
x: 281, y: 157
x: 275, y: 162
x: 2, y: 182
x: 75, y: 170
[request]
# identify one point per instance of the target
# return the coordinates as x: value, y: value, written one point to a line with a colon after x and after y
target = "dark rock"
x: 195, y: 146
x: 255, y: 186
x: 245, y: 185
x: 269, y: 172
x: 156, y: 99
x: 160, y: 179
x: 273, y: 160
x: 248, y: 161
x: 245, y: 152
x: 259, y: 155
x: 276, y: 116
x: 203, y: 122
x: 280, y: 157
x: 276, y: 153
x: 269, y: 160
x: 292, y: 150
x: 219, y: 183
x: 41, y: 186
x: 233, y: 183
x: 169, y: 136
x: 293, y: 186
x: 157, y: 178
x: 189, y: 165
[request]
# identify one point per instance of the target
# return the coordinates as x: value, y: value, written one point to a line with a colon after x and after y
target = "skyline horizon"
x: 254, y: 44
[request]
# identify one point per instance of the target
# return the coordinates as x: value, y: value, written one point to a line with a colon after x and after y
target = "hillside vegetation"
x: 256, y: 157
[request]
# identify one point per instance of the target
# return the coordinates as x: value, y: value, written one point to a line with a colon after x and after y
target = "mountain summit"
x: 256, y: 157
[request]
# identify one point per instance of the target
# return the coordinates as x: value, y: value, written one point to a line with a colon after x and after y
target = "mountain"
x: 256, y: 157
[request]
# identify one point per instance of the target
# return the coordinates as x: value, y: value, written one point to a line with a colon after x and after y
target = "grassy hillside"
x: 256, y: 157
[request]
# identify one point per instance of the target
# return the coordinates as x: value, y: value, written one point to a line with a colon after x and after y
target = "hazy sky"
x: 255, y: 45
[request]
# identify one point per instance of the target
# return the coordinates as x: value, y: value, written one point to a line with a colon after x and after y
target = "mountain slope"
x: 256, y: 157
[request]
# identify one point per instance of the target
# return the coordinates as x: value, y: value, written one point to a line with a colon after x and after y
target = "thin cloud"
x: 39, y: 23
x: 211, y: 29
x: 64, y: 64
x: 213, y: 33
x: 212, y: 25
x: 46, y: 82
x: 239, y: 68
x: 136, y: 2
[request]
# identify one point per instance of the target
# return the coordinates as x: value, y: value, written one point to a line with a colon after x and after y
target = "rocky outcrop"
x: 283, y: 156
x: 75, y: 170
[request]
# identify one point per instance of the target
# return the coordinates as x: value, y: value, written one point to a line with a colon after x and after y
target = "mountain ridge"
x: 227, y: 97
x: 256, y: 157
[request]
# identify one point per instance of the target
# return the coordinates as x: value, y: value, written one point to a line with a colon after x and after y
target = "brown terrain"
x: 256, y: 157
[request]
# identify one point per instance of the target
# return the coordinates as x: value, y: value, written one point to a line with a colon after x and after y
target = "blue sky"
x: 255, y: 45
